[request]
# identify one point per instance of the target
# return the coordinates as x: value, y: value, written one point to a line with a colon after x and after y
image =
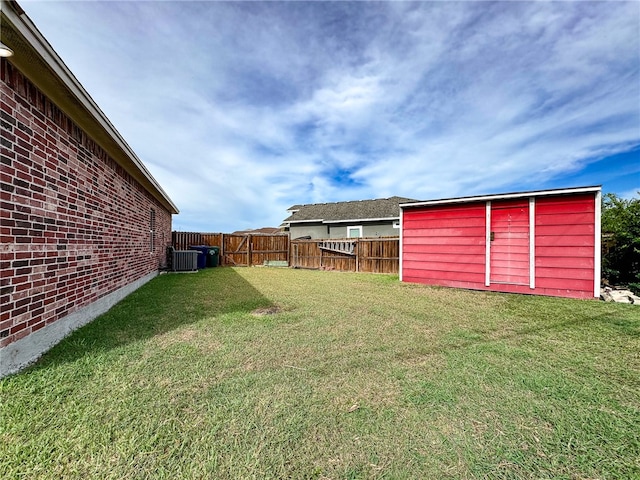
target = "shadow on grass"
x: 166, y: 303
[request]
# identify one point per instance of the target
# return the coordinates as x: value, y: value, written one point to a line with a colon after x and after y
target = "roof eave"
x: 317, y: 220
x: 360, y: 220
x: 504, y: 196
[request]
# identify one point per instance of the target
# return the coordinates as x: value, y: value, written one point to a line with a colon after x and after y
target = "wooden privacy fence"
x: 375, y: 255
x: 183, y: 240
x: 239, y: 250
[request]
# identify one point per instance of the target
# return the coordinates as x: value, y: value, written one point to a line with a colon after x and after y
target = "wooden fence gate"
x: 249, y: 250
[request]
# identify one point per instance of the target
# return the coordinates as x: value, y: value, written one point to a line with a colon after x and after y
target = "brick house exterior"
x: 82, y: 221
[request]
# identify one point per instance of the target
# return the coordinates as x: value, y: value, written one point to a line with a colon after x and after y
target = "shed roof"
x: 502, y: 196
x: 38, y: 61
x: 360, y: 210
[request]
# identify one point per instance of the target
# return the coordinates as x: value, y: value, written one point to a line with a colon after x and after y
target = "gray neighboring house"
x: 362, y: 218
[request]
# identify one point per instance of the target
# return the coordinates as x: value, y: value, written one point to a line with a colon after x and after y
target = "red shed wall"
x: 75, y: 226
x: 446, y: 245
x: 565, y: 245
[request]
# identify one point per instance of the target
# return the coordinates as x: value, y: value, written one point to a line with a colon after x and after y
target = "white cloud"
x: 243, y: 109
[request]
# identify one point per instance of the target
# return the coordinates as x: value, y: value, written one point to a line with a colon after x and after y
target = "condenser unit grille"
x: 184, y: 260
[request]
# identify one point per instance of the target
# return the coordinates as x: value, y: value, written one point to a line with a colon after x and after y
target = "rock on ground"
x: 620, y: 296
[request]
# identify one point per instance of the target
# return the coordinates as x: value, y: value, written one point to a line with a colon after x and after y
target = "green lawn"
x: 280, y: 373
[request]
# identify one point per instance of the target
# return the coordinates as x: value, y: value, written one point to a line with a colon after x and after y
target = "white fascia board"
x: 360, y: 220
x: 23, y: 24
x: 401, y: 252
x: 487, y: 244
x: 532, y: 243
x: 318, y: 220
x: 597, y: 267
x: 504, y: 196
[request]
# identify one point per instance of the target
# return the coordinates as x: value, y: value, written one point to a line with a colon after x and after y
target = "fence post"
x: 288, y: 249
x: 249, y: 250
x: 292, y: 255
x: 221, y: 249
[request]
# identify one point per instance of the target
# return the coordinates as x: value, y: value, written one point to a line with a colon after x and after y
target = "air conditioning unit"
x: 184, y: 260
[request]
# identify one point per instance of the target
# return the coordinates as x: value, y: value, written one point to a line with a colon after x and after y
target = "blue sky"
x: 242, y: 109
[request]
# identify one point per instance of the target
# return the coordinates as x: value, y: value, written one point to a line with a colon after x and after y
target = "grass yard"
x: 280, y: 373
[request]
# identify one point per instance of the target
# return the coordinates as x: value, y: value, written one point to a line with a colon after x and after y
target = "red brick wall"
x: 74, y: 224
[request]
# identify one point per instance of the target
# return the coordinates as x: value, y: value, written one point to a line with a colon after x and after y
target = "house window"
x: 354, y: 231
x: 152, y: 229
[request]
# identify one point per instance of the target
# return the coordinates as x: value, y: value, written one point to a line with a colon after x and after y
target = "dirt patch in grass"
x: 261, y: 312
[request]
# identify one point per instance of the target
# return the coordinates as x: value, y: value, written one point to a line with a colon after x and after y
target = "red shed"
x: 543, y: 242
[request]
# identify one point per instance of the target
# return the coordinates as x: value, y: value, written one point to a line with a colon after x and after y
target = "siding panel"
x: 567, y: 218
x: 565, y: 244
x: 457, y: 266
x: 460, y: 231
x: 571, y: 274
x: 446, y: 243
x: 454, y: 222
x: 443, y: 257
x: 434, y: 275
x: 565, y: 262
x: 477, y: 249
x: 566, y: 230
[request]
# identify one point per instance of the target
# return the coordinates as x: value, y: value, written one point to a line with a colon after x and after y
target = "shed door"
x: 510, y: 242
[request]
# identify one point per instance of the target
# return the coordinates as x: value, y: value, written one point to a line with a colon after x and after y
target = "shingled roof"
x: 361, y: 210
